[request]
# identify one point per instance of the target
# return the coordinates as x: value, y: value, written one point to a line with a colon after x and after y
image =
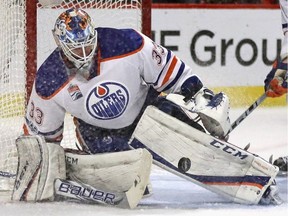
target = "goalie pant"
x: 205, y: 160
x: 117, y: 179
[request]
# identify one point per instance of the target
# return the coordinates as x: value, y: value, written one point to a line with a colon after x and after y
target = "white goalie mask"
x: 76, y: 36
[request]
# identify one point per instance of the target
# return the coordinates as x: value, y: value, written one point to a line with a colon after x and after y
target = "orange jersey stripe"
x: 170, y: 71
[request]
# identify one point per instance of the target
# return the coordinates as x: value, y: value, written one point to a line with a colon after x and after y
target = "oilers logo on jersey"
x: 107, y: 100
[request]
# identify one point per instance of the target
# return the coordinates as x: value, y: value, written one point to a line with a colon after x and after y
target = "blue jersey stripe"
x: 179, y: 73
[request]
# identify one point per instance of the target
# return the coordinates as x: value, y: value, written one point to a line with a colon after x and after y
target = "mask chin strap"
x: 83, y: 70
x: 77, y: 68
x: 83, y: 65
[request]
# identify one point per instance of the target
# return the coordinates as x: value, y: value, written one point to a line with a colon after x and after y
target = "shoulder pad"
x: 116, y: 42
x: 51, y: 75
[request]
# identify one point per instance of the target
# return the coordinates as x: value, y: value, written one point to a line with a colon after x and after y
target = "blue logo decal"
x: 107, y: 100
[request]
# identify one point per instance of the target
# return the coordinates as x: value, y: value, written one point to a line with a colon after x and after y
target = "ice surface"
x: 265, y: 129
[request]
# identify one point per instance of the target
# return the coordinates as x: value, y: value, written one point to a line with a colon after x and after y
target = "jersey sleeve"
x: 162, y: 68
x: 284, y: 16
x: 44, y: 117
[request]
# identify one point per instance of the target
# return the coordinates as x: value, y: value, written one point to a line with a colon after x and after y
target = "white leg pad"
x: 39, y: 164
x: 127, y: 171
x: 205, y: 160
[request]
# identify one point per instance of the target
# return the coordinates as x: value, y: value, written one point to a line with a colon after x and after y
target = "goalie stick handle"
x: 246, y: 113
x: 249, y: 110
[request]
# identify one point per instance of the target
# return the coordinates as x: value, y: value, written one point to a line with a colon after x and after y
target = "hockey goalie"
x: 110, y: 80
x: 184, y: 147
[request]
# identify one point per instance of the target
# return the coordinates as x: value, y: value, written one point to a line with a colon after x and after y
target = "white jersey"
x: 284, y: 15
x: 126, y: 64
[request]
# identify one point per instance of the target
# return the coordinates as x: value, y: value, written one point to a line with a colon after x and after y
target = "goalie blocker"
x: 117, y: 179
x: 214, y: 164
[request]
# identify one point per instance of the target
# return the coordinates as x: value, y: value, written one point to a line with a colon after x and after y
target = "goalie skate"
x: 271, y: 196
x: 282, y: 163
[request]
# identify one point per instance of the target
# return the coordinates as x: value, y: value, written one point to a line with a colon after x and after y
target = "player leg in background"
x: 276, y: 83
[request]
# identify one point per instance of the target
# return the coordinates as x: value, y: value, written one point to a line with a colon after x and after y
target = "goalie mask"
x: 76, y: 36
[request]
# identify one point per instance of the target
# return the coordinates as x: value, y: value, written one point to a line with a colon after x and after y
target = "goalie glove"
x: 276, y: 81
x: 213, y: 109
